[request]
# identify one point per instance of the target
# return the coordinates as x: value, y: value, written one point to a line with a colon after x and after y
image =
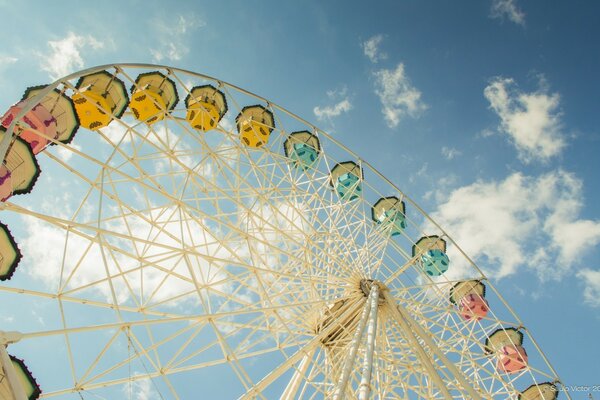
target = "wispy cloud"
x: 141, y: 389
x: 397, y: 95
x: 520, y: 222
x: 173, y: 38
x: 7, y: 60
x: 591, y: 291
x: 450, y: 153
x: 328, y: 112
x: 65, y: 153
x: 507, y: 9
x: 342, y: 105
x: 64, y: 56
x: 85, y: 265
x: 371, y: 49
x: 532, y: 120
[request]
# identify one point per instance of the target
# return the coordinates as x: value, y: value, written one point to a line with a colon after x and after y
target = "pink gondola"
x: 473, y: 307
x: 512, y: 358
x: 39, y: 119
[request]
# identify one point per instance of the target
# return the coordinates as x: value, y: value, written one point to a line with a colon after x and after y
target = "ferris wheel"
x: 189, y: 239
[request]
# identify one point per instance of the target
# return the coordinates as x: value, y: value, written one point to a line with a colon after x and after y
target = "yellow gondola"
x: 255, y: 124
x: 101, y: 97
x: 152, y: 96
x: 205, y: 106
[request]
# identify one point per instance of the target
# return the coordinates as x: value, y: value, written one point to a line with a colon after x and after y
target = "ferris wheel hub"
x: 344, y: 314
x: 367, y: 284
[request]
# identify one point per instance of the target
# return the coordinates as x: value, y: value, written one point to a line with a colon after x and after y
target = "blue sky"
x: 484, y: 112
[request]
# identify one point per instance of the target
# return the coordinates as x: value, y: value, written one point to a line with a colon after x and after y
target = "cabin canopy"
x: 503, y: 337
x: 464, y: 288
x: 428, y: 243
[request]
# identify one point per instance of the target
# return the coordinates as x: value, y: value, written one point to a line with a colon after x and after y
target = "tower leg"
x: 294, y: 385
x: 364, y: 389
x: 340, y: 390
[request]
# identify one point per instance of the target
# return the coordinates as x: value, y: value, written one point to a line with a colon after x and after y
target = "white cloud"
x: 530, y: 119
x: 340, y: 93
x: 507, y: 9
x: 328, y: 112
x: 173, y: 38
x: 450, y: 153
x: 485, y: 133
x: 441, y: 187
x: 342, y: 105
x: 65, y: 153
x: 142, y: 389
x: 7, y: 60
x: 167, y: 273
x: 65, y: 57
x: 227, y: 123
x: 274, y: 222
x: 591, y: 291
x: 162, y: 138
x: 521, y: 221
x: 398, y: 97
x: 371, y: 49
x: 118, y: 132
x: 421, y: 173
x: 7, y: 319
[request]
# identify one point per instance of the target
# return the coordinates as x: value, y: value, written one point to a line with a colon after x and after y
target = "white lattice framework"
x: 188, y: 262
